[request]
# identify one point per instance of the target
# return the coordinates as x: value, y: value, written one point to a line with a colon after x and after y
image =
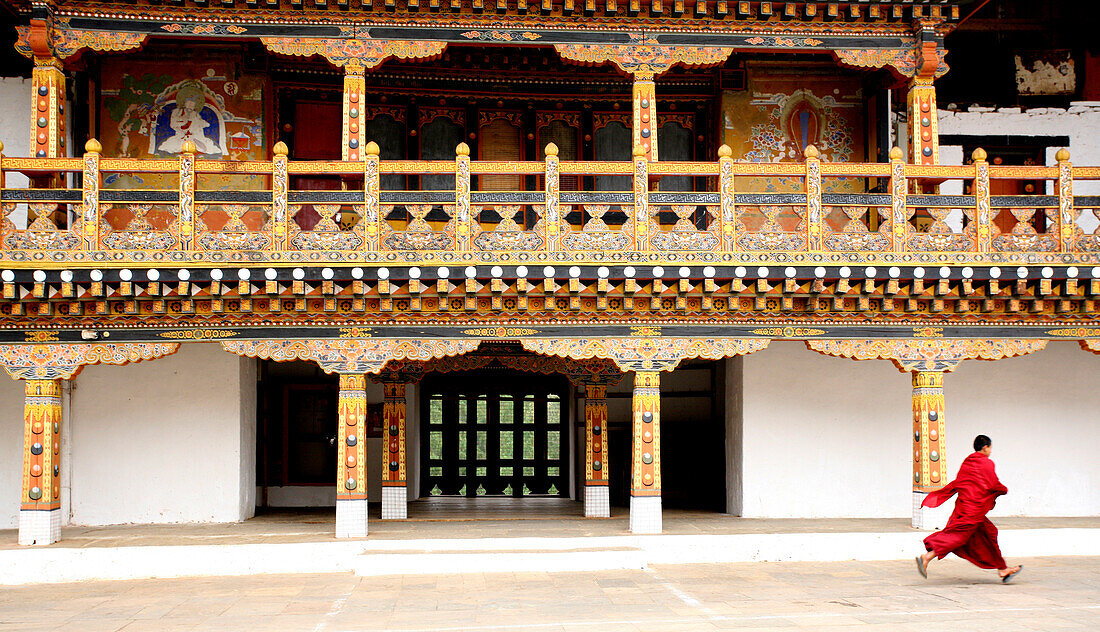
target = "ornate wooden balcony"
x: 729, y: 222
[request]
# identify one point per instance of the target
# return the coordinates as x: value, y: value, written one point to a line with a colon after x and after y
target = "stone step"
x: 466, y: 561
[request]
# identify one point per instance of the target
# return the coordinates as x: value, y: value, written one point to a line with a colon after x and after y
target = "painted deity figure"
x: 187, y: 123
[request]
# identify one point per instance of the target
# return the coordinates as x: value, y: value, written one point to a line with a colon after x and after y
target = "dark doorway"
x: 494, y: 433
x: 296, y: 438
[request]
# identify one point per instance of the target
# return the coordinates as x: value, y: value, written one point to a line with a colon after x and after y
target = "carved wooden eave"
x: 648, y: 353
x: 349, y: 355
x: 926, y: 355
x: 64, y: 361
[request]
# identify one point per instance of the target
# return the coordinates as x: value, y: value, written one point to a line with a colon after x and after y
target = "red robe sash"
x: 969, y: 534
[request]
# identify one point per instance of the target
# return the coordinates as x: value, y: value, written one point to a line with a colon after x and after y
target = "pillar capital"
x: 654, y: 353
x: 349, y: 355
x: 940, y: 354
x: 643, y: 57
x: 47, y: 41
x: 356, y: 54
x: 63, y: 361
x: 1092, y: 345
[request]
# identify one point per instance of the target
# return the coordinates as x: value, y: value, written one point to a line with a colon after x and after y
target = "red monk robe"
x: 969, y: 534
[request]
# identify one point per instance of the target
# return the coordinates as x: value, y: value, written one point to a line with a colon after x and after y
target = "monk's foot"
x: 1005, y: 572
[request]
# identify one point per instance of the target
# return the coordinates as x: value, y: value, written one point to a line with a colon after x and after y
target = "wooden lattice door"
x: 494, y: 434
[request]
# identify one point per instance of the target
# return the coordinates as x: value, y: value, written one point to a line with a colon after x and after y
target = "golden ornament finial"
x: 93, y: 146
x: 811, y: 153
x: 463, y: 149
x: 188, y: 147
x: 896, y: 153
x: 725, y: 152
x: 551, y: 150
x: 979, y: 155
x: 1, y: 146
x: 1061, y: 156
x: 280, y: 149
x: 639, y: 151
x: 372, y: 149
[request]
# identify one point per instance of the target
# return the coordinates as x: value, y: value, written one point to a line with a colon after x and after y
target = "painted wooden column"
x: 645, y: 484
x: 351, y: 483
x: 40, y: 507
x: 597, y: 498
x: 354, y: 117
x: 929, y: 444
x: 395, y: 495
x: 924, y: 135
x: 645, y: 114
x: 48, y: 108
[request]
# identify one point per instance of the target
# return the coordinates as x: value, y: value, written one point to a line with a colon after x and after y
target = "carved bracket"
x: 44, y: 39
x: 926, y: 355
x: 349, y: 356
x: 64, y: 361
x: 644, y: 59
x: 646, y: 354
x: 356, y: 54
x: 1091, y: 345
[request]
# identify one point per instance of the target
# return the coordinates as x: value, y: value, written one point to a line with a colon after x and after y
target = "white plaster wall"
x: 15, y: 131
x: 11, y: 450
x: 829, y: 437
x: 1043, y: 413
x: 824, y: 437
x: 1081, y: 123
x: 172, y: 440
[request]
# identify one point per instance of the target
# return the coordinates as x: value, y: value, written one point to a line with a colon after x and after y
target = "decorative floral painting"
x: 781, y: 113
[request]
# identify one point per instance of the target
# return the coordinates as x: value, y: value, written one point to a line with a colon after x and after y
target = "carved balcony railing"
x: 95, y: 211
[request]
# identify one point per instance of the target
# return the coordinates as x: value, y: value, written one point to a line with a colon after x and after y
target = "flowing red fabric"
x: 969, y: 534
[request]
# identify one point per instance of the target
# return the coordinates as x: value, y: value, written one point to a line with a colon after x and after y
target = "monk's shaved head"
x: 981, y: 441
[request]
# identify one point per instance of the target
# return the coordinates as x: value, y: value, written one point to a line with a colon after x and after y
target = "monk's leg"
x: 981, y: 549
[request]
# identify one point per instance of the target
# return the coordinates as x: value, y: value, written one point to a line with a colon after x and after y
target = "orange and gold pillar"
x: 645, y: 114
x: 351, y: 483
x: 929, y: 460
x: 645, y: 484
x: 48, y: 108
x: 354, y: 117
x: 597, y: 499
x: 924, y: 134
x: 40, y: 506
x: 394, y: 482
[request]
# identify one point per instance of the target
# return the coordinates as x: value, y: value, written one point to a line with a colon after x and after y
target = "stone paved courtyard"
x: 1051, y: 594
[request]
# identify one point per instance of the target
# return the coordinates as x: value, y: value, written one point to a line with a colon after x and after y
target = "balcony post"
x: 279, y: 193
x: 929, y: 422
x: 728, y: 216
x: 552, y: 199
x: 597, y: 498
x: 372, y: 209
x: 463, y: 221
x: 814, y: 239
x: 641, y: 199
x: 984, y: 232
x: 899, y: 217
x: 645, y: 485
x: 1067, y: 213
x: 40, y: 505
x: 353, y: 111
x: 924, y: 136
x: 48, y: 108
x: 90, y: 195
x: 645, y: 114
x: 351, y: 477
x: 394, y: 478
x: 187, y: 196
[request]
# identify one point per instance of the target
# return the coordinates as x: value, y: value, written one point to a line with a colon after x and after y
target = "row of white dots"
x: 602, y: 272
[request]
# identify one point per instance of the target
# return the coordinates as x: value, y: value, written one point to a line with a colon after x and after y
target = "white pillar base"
x: 351, y: 518
x: 395, y: 503
x: 38, y: 527
x: 597, y: 501
x: 919, y: 513
x: 645, y: 514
